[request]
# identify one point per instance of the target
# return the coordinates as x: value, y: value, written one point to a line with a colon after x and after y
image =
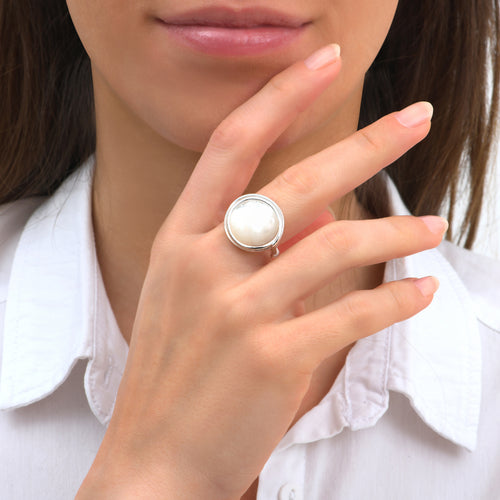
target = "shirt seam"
x: 466, y: 301
x: 489, y: 326
x: 383, y: 377
x: 94, y: 401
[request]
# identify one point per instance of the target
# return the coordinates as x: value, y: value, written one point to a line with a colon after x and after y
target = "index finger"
x: 240, y: 141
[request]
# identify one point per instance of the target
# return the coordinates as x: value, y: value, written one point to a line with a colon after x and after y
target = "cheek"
x: 366, y: 24
x: 136, y: 70
x: 111, y: 32
x: 360, y: 27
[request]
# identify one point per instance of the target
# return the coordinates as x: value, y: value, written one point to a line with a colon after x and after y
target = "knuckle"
x: 162, y: 248
x: 267, y: 361
x: 337, y: 238
x: 283, y: 90
x: 158, y: 248
x: 404, y: 233
x: 185, y: 265
x: 299, y: 181
x: 281, y: 84
x: 400, y: 229
x: 270, y: 357
x: 398, y: 299
x: 360, y: 308
x: 264, y: 348
x: 188, y: 266
x: 369, y: 140
x: 229, y: 309
x: 228, y: 133
x: 240, y: 305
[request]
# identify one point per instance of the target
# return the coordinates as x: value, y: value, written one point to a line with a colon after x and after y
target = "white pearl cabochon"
x: 254, y: 223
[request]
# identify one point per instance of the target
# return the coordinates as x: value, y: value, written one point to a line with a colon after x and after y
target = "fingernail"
x: 323, y: 57
x: 416, y: 114
x: 427, y: 286
x: 436, y: 225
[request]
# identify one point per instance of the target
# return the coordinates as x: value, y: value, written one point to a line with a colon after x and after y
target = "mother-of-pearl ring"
x: 254, y: 223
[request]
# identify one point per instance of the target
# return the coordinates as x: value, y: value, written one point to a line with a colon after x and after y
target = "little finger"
x: 317, y: 259
x: 315, y: 336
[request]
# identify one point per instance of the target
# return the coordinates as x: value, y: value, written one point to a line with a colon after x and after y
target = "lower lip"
x: 223, y: 41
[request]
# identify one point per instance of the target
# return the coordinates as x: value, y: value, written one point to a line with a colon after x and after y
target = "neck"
x: 139, y: 176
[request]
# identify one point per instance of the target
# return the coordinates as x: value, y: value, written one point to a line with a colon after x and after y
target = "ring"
x: 254, y: 223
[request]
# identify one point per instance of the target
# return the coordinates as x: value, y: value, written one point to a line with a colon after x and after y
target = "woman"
x: 291, y: 374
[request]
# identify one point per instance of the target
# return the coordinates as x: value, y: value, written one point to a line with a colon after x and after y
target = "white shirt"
x: 414, y: 413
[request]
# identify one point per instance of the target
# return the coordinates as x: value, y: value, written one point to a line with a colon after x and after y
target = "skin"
x: 153, y: 122
x: 154, y: 128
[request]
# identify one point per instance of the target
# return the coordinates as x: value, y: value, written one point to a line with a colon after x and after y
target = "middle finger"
x: 304, y: 190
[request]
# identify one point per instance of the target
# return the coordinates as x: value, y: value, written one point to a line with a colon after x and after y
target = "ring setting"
x: 254, y: 223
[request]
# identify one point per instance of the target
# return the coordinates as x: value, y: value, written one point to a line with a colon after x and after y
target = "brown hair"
x: 437, y: 50
x: 445, y: 52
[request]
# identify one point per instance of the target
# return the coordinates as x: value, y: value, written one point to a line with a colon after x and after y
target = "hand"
x: 222, y: 351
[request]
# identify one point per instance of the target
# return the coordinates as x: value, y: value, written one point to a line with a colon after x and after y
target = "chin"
x: 193, y: 137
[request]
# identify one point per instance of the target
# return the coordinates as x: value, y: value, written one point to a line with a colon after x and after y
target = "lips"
x: 242, y: 18
x: 226, y: 32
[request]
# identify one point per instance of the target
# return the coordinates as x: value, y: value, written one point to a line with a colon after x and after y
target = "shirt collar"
x: 56, y: 305
x: 433, y: 358
x: 57, y: 312
x: 438, y: 363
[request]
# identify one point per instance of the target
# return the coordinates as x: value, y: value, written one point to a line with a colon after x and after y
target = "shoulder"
x: 13, y: 218
x: 481, y: 276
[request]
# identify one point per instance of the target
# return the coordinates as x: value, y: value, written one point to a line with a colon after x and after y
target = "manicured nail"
x: 436, y: 225
x: 323, y: 57
x: 427, y: 286
x: 416, y: 114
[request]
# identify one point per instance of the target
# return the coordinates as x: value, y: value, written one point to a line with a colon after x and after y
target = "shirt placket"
x: 282, y: 478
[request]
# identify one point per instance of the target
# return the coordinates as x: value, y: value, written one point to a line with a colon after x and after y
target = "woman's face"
x: 183, y: 93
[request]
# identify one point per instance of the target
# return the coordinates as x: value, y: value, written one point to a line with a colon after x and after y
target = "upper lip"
x: 242, y: 18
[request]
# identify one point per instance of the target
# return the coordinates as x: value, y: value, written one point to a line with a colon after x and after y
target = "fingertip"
x: 323, y: 57
x: 416, y: 114
x: 427, y: 286
x: 437, y: 225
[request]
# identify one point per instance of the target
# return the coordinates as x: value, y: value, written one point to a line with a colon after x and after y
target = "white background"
x: 488, y: 239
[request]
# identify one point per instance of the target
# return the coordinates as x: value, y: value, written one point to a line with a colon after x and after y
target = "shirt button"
x: 289, y: 491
